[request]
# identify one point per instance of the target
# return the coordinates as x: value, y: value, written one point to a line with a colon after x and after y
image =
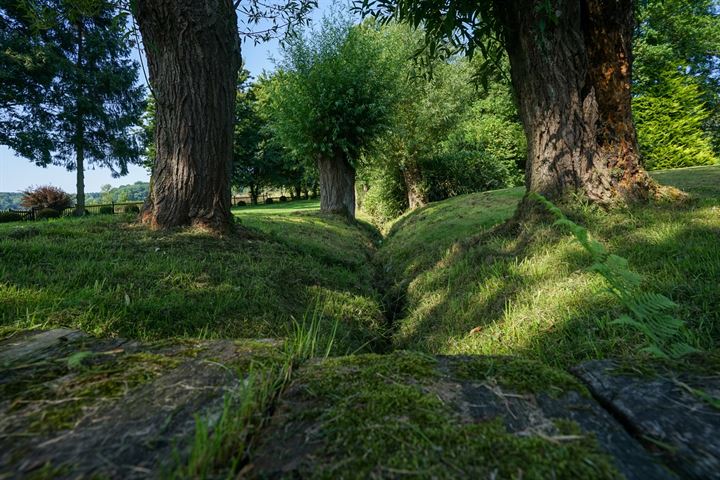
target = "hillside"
x: 466, y: 289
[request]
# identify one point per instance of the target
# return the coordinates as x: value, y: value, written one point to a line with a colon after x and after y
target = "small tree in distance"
x: 332, y: 97
x: 46, y: 197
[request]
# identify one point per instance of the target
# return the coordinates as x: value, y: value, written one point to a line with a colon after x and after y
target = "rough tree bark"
x: 337, y: 185
x: 415, y: 195
x: 193, y: 54
x: 572, y: 81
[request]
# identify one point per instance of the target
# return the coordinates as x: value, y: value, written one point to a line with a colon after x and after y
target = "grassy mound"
x: 466, y: 289
x: 110, y: 277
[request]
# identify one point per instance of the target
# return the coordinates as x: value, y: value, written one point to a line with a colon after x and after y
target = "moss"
x: 518, y: 374
x: 59, y: 406
x: 378, y: 418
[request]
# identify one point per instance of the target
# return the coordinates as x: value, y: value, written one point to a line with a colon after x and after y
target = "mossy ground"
x: 469, y: 289
x: 379, y: 416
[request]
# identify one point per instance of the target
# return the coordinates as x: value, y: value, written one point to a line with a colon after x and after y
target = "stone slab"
x: 669, y: 409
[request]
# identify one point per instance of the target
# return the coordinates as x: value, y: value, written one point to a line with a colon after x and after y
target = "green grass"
x: 468, y: 289
x: 110, y: 277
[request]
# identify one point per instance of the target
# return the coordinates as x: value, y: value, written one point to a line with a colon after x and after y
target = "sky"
x: 17, y: 173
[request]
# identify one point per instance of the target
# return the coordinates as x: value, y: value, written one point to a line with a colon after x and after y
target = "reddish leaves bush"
x: 46, y: 197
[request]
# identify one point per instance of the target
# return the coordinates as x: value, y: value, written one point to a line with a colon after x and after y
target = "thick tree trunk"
x: 415, y: 195
x: 193, y: 54
x: 572, y: 80
x: 337, y: 185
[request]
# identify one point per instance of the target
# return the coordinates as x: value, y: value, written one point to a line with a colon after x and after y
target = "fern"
x: 648, y: 313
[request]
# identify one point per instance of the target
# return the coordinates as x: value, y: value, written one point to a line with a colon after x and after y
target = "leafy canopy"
x: 333, y: 93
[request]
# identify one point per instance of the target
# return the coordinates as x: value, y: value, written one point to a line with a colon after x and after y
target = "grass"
x: 467, y: 289
x: 110, y: 277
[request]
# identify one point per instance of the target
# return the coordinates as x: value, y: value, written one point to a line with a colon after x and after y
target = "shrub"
x: 670, y: 118
x: 47, y: 213
x: 7, y: 217
x: 241, y: 203
x: 269, y: 201
x: 107, y: 210
x: 134, y: 209
x: 283, y: 198
x: 46, y: 197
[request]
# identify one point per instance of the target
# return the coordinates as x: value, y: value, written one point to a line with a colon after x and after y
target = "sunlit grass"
x: 111, y: 277
x: 467, y: 291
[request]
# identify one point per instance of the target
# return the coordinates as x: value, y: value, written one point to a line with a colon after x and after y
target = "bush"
x: 46, y: 197
x: 107, y: 210
x: 386, y: 197
x: 283, y: 199
x: 241, y: 203
x: 133, y: 209
x: 669, y: 119
x: 47, y: 213
x: 269, y: 201
x: 7, y: 217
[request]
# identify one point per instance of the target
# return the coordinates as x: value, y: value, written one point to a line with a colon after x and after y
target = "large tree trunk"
x: 193, y: 54
x: 337, y: 185
x: 572, y: 80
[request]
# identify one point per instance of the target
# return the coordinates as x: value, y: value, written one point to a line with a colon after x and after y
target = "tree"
x: 333, y: 97
x: 669, y: 117
x: 570, y: 64
x: 193, y: 52
x: 83, y: 101
x: 258, y: 158
x: 681, y: 36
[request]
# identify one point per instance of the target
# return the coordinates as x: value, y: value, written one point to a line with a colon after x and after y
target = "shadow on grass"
x: 531, y: 294
x: 111, y: 278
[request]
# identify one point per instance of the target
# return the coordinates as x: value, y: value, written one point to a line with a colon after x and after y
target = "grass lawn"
x: 110, y: 277
x: 466, y: 290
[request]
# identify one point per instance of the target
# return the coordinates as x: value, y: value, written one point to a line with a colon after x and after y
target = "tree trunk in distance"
x: 337, y: 185
x: 415, y: 195
x: 193, y: 54
x: 79, y: 133
x: 572, y: 82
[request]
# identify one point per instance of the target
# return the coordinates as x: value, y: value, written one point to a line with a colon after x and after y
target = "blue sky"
x: 17, y: 173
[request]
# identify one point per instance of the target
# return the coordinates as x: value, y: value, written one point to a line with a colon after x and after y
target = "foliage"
x: 680, y: 36
x: 89, y: 102
x: 669, y: 117
x: 259, y: 161
x: 10, y: 200
x: 7, y: 217
x: 45, y: 213
x: 131, y: 209
x: 447, y: 137
x: 106, y: 210
x: 650, y: 313
x: 136, y: 192
x: 333, y: 91
x: 46, y: 197
x: 382, y: 194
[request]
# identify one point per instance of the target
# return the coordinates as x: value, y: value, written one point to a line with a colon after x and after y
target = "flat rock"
x: 670, y: 409
x: 409, y: 414
x: 73, y: 406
